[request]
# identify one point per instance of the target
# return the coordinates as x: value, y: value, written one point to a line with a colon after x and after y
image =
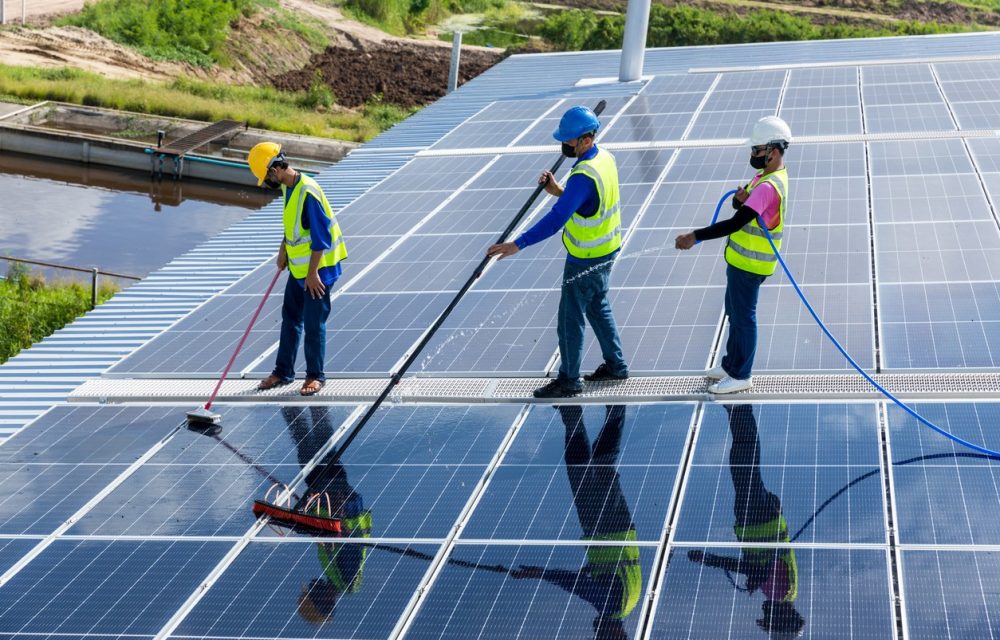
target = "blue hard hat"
x: 576, y: 122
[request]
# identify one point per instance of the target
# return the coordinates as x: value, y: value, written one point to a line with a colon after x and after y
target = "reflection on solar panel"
x: 826, y: 517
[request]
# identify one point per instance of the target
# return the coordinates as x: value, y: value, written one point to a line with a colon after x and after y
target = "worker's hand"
x: 696, y: 555
x: 501, y: 251
x: 314, y: 285
x: 552, y: 186
x: 741, y: 195
x: 282, y: 260
x: 526, y: 572
x: 684, y: 241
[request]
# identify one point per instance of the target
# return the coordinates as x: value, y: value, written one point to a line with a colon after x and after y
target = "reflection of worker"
x: 312, y: 249
x: 772, y: 570
x: 611, y: 581
x: 329, y: 493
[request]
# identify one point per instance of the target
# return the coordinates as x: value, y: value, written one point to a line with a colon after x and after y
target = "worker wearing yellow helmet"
x: 312, y: 248
x: 749, y: 256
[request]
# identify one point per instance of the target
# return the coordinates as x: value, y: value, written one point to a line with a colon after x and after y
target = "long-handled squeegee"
x: 204, y: 416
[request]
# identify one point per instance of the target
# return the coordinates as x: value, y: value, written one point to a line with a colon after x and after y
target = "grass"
x: 31, y: 308
x: 263, y: 107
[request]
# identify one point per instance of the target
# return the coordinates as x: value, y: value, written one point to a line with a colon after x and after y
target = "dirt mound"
x: 403, y: 74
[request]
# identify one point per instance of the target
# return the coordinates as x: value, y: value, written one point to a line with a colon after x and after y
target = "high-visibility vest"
x: 297, y: 238
x: 600, y: 234
x: 775, y: 530
x: 748, y: 248
x: 358, y: 527
x: 623, y: 562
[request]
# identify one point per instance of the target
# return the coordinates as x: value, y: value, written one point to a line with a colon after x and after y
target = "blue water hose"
x: 847, y: 356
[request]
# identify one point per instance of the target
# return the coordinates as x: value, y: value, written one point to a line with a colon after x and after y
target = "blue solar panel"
x: 754, y: 463
x: 277, y: 590
x: 951, y: 593
x: 120, y: 588
x: 841, y: 593
x: 572, y: 471
x: 551, y: 592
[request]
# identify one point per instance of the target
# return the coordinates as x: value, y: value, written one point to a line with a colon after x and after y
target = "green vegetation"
x: 684, y: 25
x: 31, y: 309
x: 187, y: 30
x: 401, y: 17
x: 307, y: 112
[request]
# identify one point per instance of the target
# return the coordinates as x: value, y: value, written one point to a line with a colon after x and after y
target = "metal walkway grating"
x: 479, y: 390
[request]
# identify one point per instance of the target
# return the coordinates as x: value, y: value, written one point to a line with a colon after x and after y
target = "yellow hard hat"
x: 260, y: 159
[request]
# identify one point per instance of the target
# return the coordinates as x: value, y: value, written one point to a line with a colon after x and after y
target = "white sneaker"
x: 731, y: 385
x: 716, y: 373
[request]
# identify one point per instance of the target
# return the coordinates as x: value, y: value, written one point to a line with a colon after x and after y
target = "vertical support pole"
x: 634, y: 43
x: 456, y: 52
x: 93, y: 283
x: 23, y: 11
x: 3, y: 15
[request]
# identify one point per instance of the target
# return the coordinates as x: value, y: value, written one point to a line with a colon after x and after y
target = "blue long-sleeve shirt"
x: 580, y: 195
x: 320, y: 232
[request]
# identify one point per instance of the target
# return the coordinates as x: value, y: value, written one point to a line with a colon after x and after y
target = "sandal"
x: 311, y: 387
x: 271, y: 382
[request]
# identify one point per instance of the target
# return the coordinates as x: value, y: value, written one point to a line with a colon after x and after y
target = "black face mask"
x: 271, y: 184
x: 568, y: 151
x: 758, y: 162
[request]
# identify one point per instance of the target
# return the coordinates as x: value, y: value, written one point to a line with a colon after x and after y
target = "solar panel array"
x: 829, y: 519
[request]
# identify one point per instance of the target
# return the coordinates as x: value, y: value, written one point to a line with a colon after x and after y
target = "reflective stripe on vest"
x: 775, y: 530
x: 600, y: 234
x: 359, y: 527
x: 298, y: 239
x: 623, y: 562
x: 748, y: 248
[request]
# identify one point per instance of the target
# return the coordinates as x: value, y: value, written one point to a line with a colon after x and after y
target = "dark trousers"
x: 742, y: 289
x: 301, y: 312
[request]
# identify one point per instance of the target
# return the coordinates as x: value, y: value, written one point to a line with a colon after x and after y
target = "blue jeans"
x: 585, y: 294
x: 742, y: 288
x: 300, y: 310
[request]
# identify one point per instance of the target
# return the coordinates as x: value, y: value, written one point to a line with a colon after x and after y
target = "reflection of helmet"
x: 770, y: 129
x: 317, y: 601
x: 261, y: 157
x: 781, y: 620
x: 609, y: 629
x: 576, y: 122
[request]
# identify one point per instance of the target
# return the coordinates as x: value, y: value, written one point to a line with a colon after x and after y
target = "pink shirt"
x: 778, y: 581
x: 764, y: 200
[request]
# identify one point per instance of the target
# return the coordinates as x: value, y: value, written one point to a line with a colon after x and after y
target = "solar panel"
x: 280, y: 590
x: 950, y: 593
x: 841, y: 593
x: 121, y: 587
x: 752, y: 460
x: 549, y: 594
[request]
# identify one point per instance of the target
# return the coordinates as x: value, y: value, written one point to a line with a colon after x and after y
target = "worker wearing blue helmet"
x: 588, y: 213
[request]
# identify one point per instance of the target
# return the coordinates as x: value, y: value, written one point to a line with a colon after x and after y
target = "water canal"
x: 120, y: 221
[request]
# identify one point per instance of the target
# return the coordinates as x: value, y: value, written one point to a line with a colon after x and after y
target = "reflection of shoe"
x: 311, y: 387
x: 716, y: 373
x: 271, y: 382
x: 555, y: 389
x: 604, y: 372
x: 731, y: 385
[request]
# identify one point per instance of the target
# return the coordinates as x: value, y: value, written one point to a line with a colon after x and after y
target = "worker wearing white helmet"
x: 749, y: 256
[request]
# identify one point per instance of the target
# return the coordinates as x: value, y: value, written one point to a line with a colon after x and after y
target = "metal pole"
x: 456, y: 52
x: 3, y: 15
x: 23, y: 11
x: 93, y: 283
x: 634, y: 42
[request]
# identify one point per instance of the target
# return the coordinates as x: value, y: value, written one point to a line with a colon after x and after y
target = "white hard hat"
x: 770, y: 129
